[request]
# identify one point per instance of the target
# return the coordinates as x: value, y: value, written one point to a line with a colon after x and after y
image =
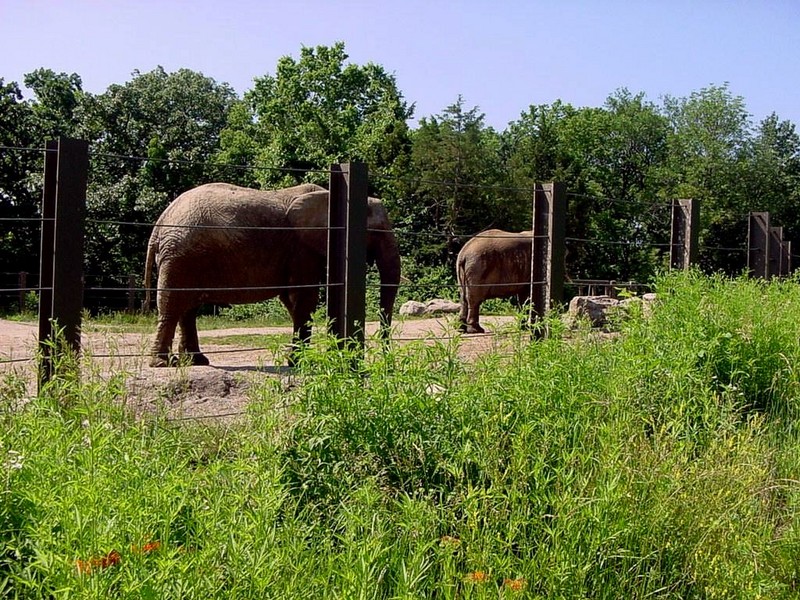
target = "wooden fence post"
x: 61, y: 260
x: 685, y: 232
x: 131, y: 293
x: 758, y: 238
x: 347, y: 252
x: 775, y: 258
x: 547, y: 248
x: 22, y: 281
x: 786, y: 258
x: 46, y: 252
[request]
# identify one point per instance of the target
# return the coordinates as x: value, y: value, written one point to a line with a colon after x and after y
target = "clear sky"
x: 500, y: 55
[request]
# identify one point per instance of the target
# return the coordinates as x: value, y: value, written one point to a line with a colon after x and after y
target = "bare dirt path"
x: 206, y: 392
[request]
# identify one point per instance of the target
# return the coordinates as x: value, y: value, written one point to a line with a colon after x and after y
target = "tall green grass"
x: 661, y: 463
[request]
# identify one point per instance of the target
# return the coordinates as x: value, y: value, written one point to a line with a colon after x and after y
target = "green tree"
x: 55, y: 107
x: 20, y: 197
x: 774, y: 176
x: 24, y: 127
x: 161, y: 128
x: 608, y: 157
x: 318, y: 110
x: 615, y: 153
x: 708, y: 159
x: 531, y: 146
x: 238, y: 151
x: 152, y: 138
x: 455, y: 187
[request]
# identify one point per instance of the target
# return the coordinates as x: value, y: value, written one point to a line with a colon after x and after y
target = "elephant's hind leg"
x: 472, y: 325
x: 189, y: 345
x: 165, y: 331
x: 462, y: 314
x: 472, y: 306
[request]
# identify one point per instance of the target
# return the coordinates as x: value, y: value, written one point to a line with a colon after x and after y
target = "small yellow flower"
x: 515, y: 585
x: 477, y: 577
x: 87, y: 567
x: 449, y: 541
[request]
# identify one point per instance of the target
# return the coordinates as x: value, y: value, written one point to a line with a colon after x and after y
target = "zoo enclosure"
x: 63, y: 233
x: 63, y: 230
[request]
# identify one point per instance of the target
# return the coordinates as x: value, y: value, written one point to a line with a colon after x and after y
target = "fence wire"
x: 399, y: 233
x: 206, y: 164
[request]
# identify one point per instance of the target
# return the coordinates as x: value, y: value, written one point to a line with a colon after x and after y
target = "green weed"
x: 660, y: 463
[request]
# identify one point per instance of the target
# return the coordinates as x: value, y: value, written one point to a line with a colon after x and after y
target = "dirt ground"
x: 219, y: 391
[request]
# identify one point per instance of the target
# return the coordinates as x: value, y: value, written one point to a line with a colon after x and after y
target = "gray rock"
x: 412, y: 308
x: 598, y: 309
x: 437, y: 306
x: 594, y: 308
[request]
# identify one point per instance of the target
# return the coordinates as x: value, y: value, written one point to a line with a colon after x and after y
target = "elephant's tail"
x: 149, y: 263
x: 461, y: 276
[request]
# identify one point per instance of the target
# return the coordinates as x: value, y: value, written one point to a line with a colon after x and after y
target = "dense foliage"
x: 444, y: 179
x: 662, y: 463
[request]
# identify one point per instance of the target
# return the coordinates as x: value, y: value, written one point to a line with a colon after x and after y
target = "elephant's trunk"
x: 387, y: 260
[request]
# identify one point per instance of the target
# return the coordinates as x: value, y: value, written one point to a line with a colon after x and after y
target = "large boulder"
x: 594, y: 308
x: 437, y: 306
x: 412, y: 308
x: 599, y: 309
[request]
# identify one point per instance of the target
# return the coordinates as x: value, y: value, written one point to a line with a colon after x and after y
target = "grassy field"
x: 664, y: 463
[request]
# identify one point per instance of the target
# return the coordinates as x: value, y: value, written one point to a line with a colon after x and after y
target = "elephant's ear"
x: 308, y: 214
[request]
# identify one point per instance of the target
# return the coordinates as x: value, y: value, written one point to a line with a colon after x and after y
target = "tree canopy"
x: 443, y: 178
x: 316, y: 111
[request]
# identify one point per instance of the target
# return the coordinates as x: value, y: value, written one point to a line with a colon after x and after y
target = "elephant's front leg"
x: 301, y: 305
x: 189, y: 345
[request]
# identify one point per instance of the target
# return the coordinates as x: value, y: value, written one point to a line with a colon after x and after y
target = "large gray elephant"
x: 493, y: 264
x: 220, y: 243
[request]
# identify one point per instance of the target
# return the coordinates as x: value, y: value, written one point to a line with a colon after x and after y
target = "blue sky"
x: 501, y: 56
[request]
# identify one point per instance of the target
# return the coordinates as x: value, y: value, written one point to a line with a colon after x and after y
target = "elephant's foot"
x: 191, y: 359
x: 294, y: 356
x: 198, y: 359
x: 159, y: 361
x: 295, y: 352
x: 474, y: 328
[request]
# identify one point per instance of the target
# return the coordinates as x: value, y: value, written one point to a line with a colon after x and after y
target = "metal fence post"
x: 685, y: 232
x: 61, y: 268
x: 347, y: 251
x: 547, y: 247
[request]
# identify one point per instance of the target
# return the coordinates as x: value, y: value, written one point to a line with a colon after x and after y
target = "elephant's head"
x: 308, y: 213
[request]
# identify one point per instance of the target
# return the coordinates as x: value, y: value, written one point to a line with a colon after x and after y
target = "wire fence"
x: 125, y: 290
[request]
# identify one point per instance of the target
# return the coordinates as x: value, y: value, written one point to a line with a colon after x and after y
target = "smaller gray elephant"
x: 493, y: 264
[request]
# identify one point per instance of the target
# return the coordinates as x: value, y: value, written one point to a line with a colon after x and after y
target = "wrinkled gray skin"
x: 207, y: 247
x: 493, y: 264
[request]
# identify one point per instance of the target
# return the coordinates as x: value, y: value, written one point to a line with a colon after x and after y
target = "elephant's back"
x: 496, y: 240
x: 494, y: 256
x: 221, y: 205
x: 225, y: 228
